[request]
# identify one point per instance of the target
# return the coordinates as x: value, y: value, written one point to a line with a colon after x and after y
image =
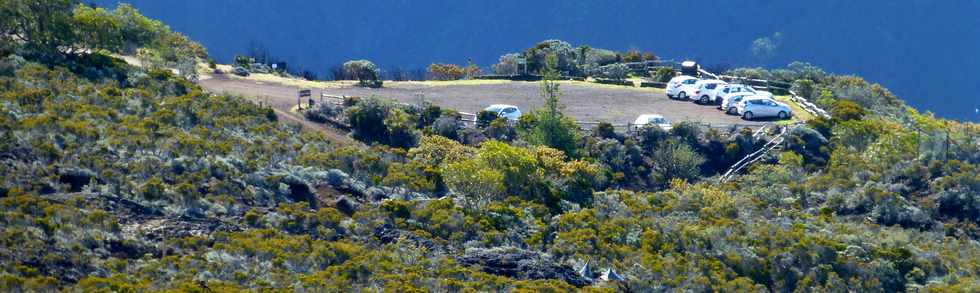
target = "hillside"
x: 122, y: 178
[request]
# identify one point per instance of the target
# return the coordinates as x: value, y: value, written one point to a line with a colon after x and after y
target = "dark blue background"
x: 925, y: 51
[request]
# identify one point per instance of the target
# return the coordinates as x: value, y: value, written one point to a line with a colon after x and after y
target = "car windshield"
x: 658, y: 120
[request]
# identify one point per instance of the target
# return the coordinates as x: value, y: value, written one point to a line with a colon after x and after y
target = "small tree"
x: 552, y: 127
x: 366, y: 73
x: 472, y: 70
x: 507, y: 65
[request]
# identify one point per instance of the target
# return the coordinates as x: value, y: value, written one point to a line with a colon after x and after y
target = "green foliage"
x: 483, y: 118
x: 400, y: 128
x: 361, y: 70
x: 605, y: 130
x: 152, y: 185
x: 552, y: 127
x: 662, y: 74
x: 846, y: 110
x: 44, y: 27
x: 675, y: 160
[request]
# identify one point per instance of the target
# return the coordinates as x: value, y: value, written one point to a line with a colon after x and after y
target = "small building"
x: 690, y: 68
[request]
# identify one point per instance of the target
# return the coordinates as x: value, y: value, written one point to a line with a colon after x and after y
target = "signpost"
x: 299, y: 98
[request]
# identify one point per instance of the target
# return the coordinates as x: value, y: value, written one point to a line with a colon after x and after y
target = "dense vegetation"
x: 122, y: 178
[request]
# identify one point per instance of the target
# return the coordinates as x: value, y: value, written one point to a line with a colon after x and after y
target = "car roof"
x: 711, y: 81
x: 499, y: 107
x: 648, y: 116
x: 756, y: 97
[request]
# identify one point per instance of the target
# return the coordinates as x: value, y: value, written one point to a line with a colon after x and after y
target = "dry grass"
x: 798, y: 113
x: 447, y: 82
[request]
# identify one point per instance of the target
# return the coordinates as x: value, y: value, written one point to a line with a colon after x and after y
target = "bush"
x: 632, y: 55
x: 483, y: 118
x: 400, y: 128
x: 675, y: 160
x: 662, y: 74
x: 845, y: 110
x: 507, y: 65
x: 564, y: 54
x: 367, y: 119
x: 362, y: 70
x: 605, y: 130
x: 617, y: 71
x: 500, y: 129
x: 324, y: 112
x: 446, y: 71
x: 447, y: 127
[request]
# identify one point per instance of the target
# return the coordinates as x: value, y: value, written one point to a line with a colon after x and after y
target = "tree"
x: 507, y: 65
x: 45, y: 28
x: 552, y: 127
x: 363, y: 70
x: 472, y: 70
x: 98, y: 28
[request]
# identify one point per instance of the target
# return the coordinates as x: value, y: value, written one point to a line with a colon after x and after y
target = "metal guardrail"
x: 757, y: 155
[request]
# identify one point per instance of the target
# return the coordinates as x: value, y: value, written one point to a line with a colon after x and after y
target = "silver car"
x: 758, y: 107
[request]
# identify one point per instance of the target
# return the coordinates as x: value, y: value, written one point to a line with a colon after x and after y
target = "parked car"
x: 507, y: 111
x: 757, y: 107
x: 734, y: 89
x: 681, y: 87
x: 731, y: 101
x: 652, y: 120
x: 705, y: 90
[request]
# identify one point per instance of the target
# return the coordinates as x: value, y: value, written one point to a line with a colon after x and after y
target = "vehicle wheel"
x: 704, y: 100
x: 782, y: 115
x: 682, y: 95
x: 747, y: 116
x: 730, y: 111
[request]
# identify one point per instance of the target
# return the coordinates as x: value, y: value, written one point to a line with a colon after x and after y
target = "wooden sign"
x: 304, y: 93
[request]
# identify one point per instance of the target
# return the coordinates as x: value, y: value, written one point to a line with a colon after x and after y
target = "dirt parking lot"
x: 583, y: 101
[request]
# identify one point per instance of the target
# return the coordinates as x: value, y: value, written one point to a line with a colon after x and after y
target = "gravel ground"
x: 583, y: 101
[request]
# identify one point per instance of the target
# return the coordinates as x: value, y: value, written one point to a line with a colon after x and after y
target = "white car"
x: 731, y: 101
x: 510, y: 112
x: 735, y: 88
x: 681, y: 87
x: 757, y: 107
x: 653, y: 120
x: 705, y: 90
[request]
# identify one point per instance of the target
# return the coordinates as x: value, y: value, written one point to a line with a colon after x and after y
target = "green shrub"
x: 662, y: 74
x: 675, y: 160
x: 483, y: 118
x: 361, y: 70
